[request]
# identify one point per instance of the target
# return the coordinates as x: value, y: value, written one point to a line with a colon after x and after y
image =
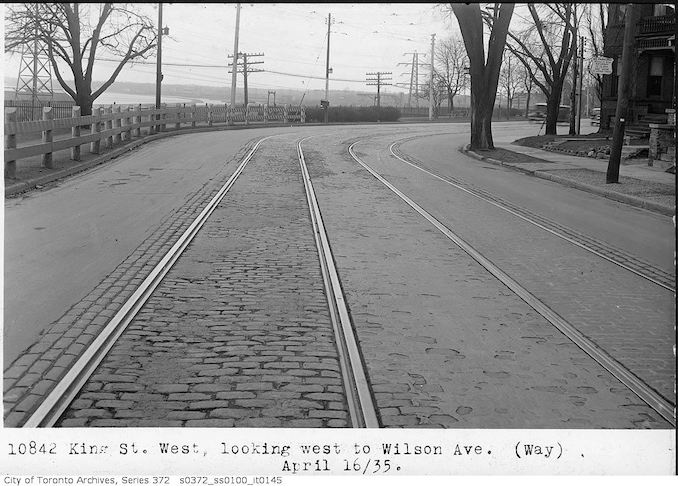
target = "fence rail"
x: 116, y: 124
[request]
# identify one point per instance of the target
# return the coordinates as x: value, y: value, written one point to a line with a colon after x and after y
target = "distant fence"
x: 117, y: 124
x: 27, y: 110
x: 442, y: 112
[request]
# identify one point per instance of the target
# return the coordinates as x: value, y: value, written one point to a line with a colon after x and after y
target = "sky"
x: 293, y: 38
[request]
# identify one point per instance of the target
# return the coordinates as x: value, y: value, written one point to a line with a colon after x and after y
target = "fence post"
x: 10, y: 143
x: 162, y: 127
x: 109, y: 126
x: 210, y: 121
x: 177, y: 125
x: 152, y: 118
x: 193, y: 115
x: 126, y: 134
x: 247, y: 114
x: 303, y: 114
x: 95, y: 145
x: 286, y: 113
x: 75, y: 133
x: 136, y: 131
x: 47, y: 159
x: 117, y: 123
x: 266, y: 113
x: 229, y: 115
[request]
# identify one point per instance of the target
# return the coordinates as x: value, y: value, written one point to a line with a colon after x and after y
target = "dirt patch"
x: 583, y: 145
x: 574, y: 143
x: 536, y: 141
x: 511, y: 157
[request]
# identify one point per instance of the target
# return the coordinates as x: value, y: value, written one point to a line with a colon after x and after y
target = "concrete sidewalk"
x: 561, y: 168
x: 638, y: 170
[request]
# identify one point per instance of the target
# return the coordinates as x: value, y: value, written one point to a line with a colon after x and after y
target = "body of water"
x: 110, y: 97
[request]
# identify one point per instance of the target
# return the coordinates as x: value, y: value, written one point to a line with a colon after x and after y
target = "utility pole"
x: 245, y: 67
x: 244, y: 74
x: 627, y: 69
x: 158, y: 65
x: 379, y: 81
x: 235, y: 54
x: 328, y: 70
x: 430, y: 92
x: 582, y: 40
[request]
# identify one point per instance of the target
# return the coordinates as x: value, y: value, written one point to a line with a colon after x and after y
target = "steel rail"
x: 49, y: 411
x: 618, y: 370
x: 531, y: 221
x: 358, y: 395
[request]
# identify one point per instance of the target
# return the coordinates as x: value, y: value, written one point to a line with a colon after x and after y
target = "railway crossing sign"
x: 601, y: 65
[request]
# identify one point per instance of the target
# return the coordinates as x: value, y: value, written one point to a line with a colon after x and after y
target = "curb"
x: 616, y: 196
x: 28, y: 185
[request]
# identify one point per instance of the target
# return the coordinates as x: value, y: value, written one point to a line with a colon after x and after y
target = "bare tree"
x: 484, y: 70
x: 438, y: 93
x: 526, y: 84
x: 451, y: 63
x: 549, y: 43
x: 508, y: 80
x: 75, y: 35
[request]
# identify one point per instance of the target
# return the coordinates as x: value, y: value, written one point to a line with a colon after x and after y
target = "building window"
x: 663, y: 9
x: 654, y: 81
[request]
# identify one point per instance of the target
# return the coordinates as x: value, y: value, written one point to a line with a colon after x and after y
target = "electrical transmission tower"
x: 244, y: 67
x: 414, y: 77
x: 35, y: 72
x: 378, y: 81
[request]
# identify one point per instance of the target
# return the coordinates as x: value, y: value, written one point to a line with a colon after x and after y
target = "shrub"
x: 339, y: 114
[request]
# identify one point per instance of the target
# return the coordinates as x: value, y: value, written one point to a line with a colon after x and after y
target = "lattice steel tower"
x: 34, y: 82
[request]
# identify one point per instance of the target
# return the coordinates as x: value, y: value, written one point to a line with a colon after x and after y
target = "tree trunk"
x: 481, y: 120
x: 573, y: 91
x: 85, y: 102
x: 527, y: 105
x: 573, y: 110
x: 484, y: 70
x: 625, y: 80
x: 552, y: 110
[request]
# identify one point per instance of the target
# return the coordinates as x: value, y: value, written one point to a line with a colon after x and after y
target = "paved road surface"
x: 445, y: 344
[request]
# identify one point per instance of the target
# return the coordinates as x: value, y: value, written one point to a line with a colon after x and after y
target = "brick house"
x: 652, y: 89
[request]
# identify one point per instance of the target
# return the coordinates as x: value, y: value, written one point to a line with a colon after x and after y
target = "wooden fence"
x: 111, y: 126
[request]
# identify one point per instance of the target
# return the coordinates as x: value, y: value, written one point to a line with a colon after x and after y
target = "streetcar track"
x: 361, y: 407
x: 646, y: 393
x: 59, y: 398
x: 358, y: 396
x: 614, y: 255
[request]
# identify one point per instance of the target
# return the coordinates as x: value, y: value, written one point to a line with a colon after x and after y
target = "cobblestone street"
x: 238, y: 333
